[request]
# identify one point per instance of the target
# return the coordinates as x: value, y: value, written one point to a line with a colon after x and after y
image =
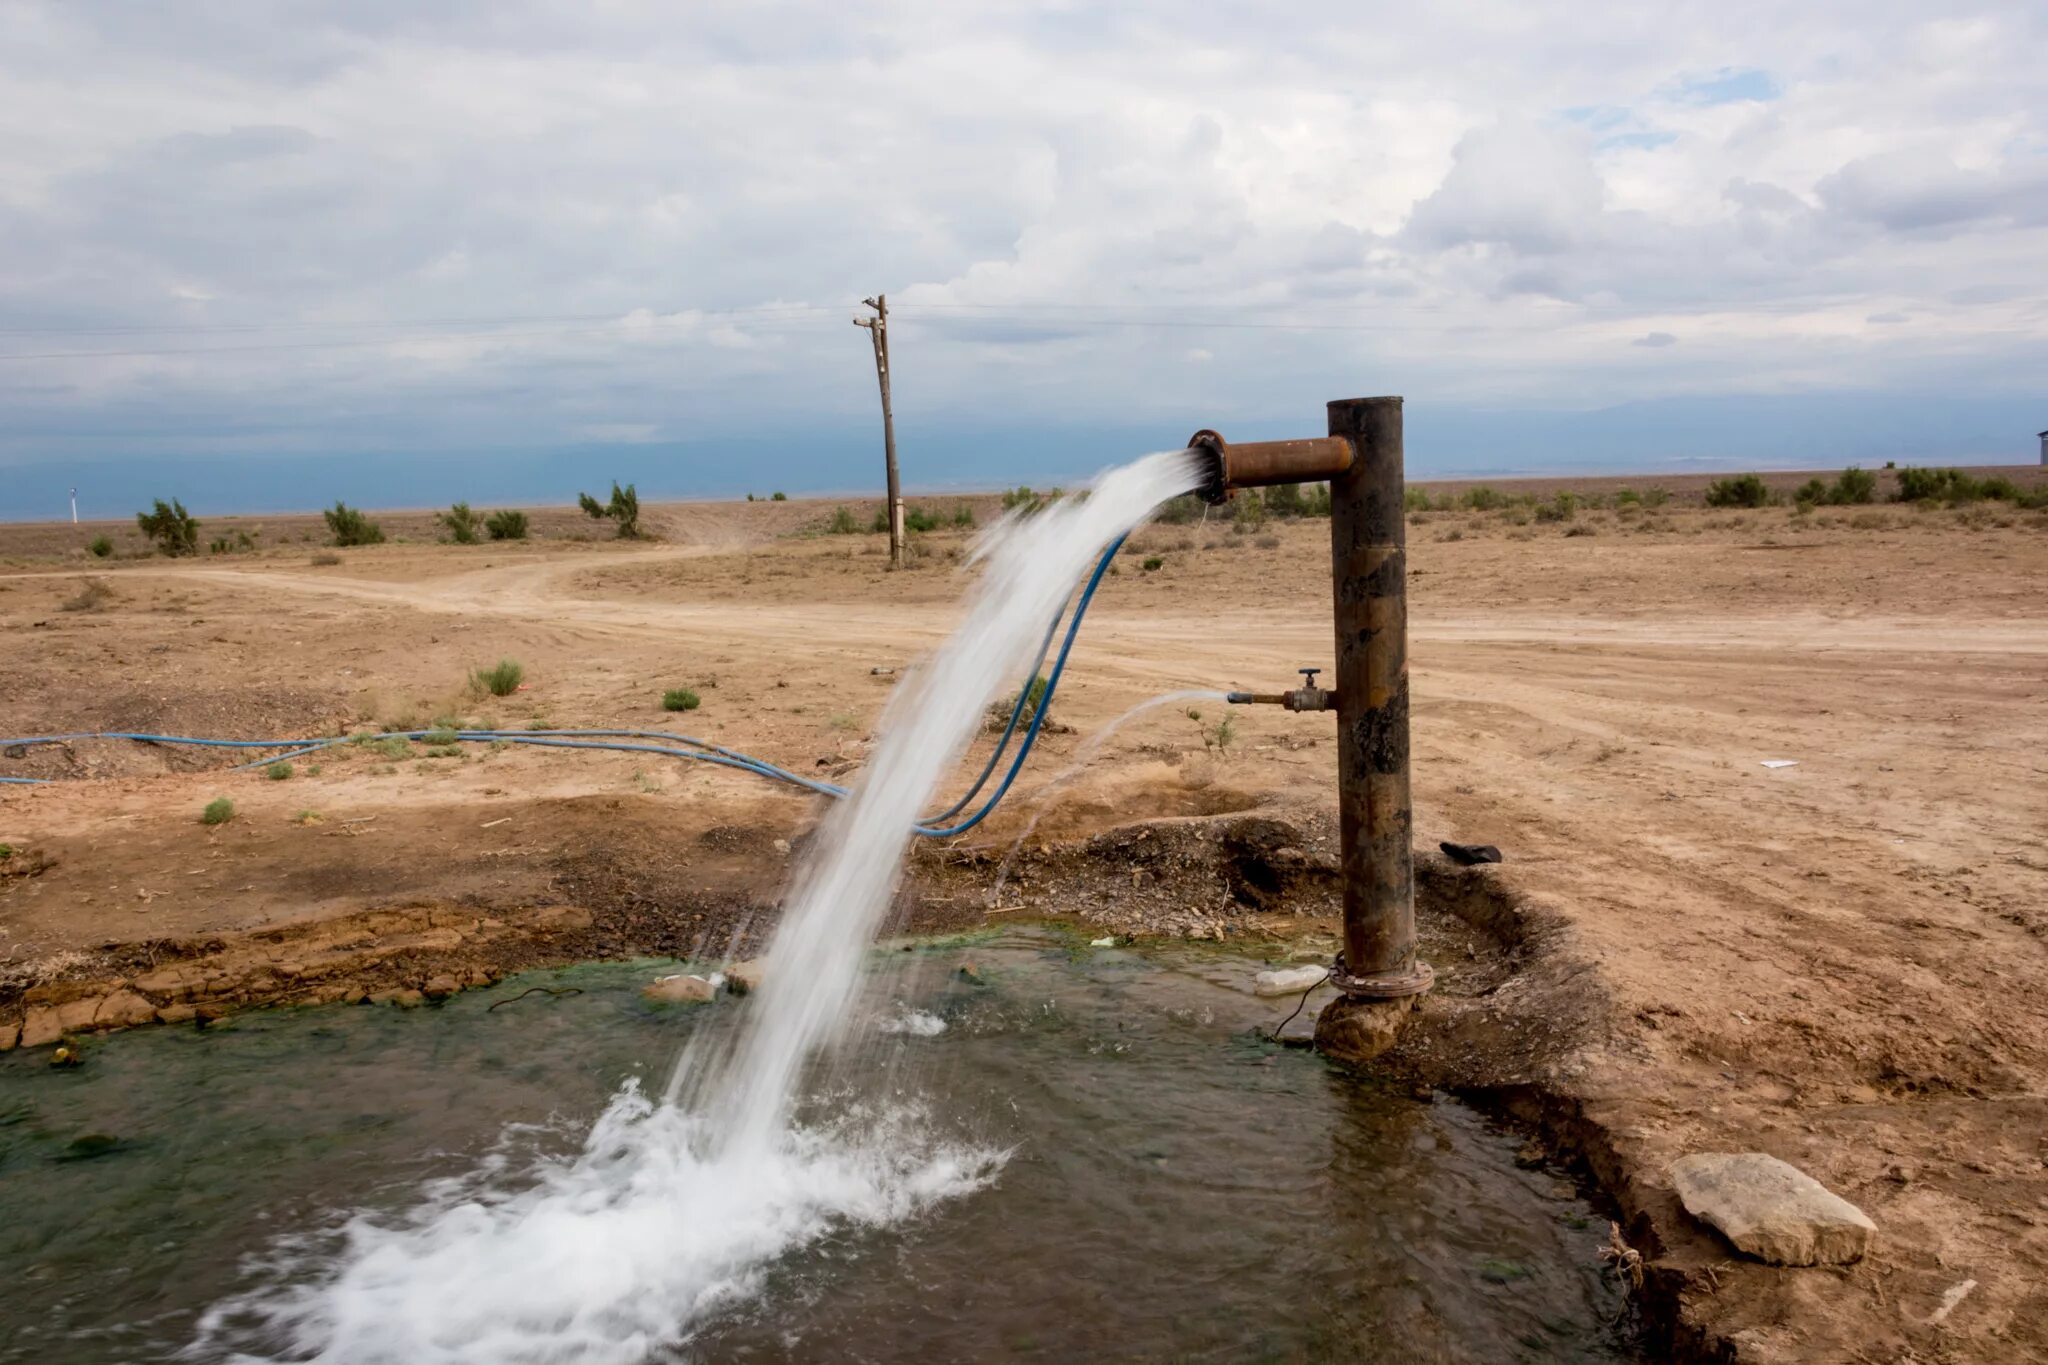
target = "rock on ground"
x: 1770, y: 1210
x: 744, y: 978
x: 680, y: 990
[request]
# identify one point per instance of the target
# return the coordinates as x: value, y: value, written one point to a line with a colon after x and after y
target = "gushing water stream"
x: 676, y: 1208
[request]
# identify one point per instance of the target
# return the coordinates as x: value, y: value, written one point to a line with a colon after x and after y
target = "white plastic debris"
x: 1781, y: 763
x: 1109, y: 942
x: 1288, y: 981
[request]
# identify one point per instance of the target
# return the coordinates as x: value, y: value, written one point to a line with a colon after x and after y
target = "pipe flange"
x: 1214, y: 488
x: 1383, y: 985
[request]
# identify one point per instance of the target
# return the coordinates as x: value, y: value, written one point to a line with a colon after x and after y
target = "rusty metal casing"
x: 1258, y: 464
x: 1369, y: 584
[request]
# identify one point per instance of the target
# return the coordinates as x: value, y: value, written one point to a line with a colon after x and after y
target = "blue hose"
x: 702, y: 751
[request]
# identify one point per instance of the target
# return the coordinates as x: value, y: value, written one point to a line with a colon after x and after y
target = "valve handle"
x: 1308, y: 675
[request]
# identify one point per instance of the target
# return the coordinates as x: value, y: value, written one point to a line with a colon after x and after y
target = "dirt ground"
x: 1842, y: 962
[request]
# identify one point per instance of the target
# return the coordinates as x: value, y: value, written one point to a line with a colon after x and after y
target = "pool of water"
x: 1174, y: 1187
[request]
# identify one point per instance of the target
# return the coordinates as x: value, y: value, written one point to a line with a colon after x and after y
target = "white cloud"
x: 1121, y: 210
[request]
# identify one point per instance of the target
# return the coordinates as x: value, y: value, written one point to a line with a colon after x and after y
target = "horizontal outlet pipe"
x: 1261, y: 464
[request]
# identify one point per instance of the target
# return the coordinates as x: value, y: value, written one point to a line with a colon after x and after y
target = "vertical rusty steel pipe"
x: 1369, y: 573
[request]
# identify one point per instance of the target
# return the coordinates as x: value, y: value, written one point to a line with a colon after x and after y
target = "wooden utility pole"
x: 878, y: 332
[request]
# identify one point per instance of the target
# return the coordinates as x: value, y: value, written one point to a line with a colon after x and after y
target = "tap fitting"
x: 1307, y: 697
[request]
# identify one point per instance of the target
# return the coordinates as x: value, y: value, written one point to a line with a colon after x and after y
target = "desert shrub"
x: 100, y: 547
x: 1563, y: 507
x: 1744, y: 490
x: 680, y: 699
x: 1152, y: 562
x: 624, y: 508
x: 1248, y: 512
x: 324, y: 561
x: 1415, y: 499
x: 1268, y: 542
x: 463, y: 524
x: 998, y: 713
x: 1853, y: 487
x: 171, y: 527
x: 841, y: 523
x: 1627, y: 497
x: 1656, y: 497
x: 509, y: 524
x: 1811, y: 493
x: 218, y: 546
x: 778, y: 496
x: 1284, y: 500
x: 1316, y: 501
x: 919, y: 520
x: 963, y: 515
x: 1579, y: 529
x: 500, y: 681
x: 1217, y: 738
x: 1484, y: 499
x: 218, y: 811
x: 349, y: 526
x: 1998, y: 488
x: 278, y: 772
x: 93, y: 595
x: 1026, y: 499
x: 1453, y: 534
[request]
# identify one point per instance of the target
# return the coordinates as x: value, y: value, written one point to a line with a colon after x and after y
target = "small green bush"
x: 680, y: 699
x: 778, y: 496
x: 1414, y: 499
x: 1656, y: 497
x: 998, y: 714
x: 506, y: 525
x: 624, y: 508
x: 502, y: 680
x: 1484, y: 499
x: 1284, y: 500
x: 1179, y: 511
x: 349, y: 526
x: 100, y: 547
x: 1563, y: 507
x: 1853, y: 487
x: 462, y: 524
x: 1627, y: 497
x: 218, y: 811
x: 1811, y: 493
x: 918, y: 520
x: 963, y: 515
x: 1745, y: 490
x: 171, y: 527
x: 1153, y: 562
x: 278, y: 772
x: 1248, y: 512
x: 842, y: 523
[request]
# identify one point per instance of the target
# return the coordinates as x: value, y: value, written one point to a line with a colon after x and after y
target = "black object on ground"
x: 1470, y: 855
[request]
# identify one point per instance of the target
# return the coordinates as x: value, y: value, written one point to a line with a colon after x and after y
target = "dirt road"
x: 1842, y: 962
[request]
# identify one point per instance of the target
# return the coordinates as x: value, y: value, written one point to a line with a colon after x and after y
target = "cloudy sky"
x: 281, y: 235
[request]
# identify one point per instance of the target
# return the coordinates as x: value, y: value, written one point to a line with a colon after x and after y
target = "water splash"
x: 671, y: 1211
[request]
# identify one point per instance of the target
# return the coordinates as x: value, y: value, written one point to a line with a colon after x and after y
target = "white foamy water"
x: 673, y: 1210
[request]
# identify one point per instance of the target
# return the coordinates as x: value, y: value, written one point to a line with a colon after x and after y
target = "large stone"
x: 1354, y: 1030
x: 744, y: 978
x: 680, y: 990
x: 1770, y: 1210
x: 41, y: 1027
x: 123, y: 1009
x: 9, y: 1035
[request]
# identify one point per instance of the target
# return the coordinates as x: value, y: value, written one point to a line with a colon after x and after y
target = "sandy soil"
x: 1844, y: 962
